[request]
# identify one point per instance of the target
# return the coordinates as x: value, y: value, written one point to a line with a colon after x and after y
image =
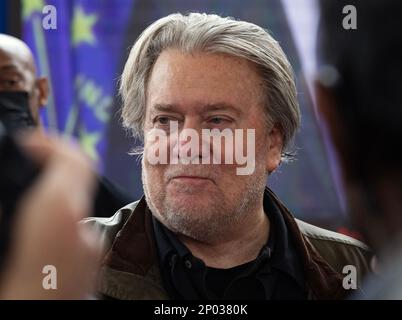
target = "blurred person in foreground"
x: 45, y: 229
x: 202, y: 231
x: 23, y: 94
x: 359, y: 93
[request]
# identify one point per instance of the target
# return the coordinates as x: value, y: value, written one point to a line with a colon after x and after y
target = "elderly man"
x: 203, y: 231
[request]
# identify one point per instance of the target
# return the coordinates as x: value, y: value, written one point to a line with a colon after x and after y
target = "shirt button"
x: 188, y: 264
x: 267, y: 252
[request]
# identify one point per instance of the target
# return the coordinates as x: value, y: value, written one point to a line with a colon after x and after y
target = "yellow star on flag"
x: 30, y: 6
x: 88, y: 142
x: 82, y: 27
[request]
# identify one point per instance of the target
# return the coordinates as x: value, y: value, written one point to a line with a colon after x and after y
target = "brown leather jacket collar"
x: 321, y: 278
x: 134, y: 251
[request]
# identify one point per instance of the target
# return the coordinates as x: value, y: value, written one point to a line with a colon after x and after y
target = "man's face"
x: 206, y: 91
x: 17, y: 74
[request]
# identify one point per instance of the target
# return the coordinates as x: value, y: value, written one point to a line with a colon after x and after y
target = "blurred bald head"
x: 18, y: 73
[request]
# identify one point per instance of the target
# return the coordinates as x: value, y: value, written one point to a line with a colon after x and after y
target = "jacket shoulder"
x: 317, y: 233
x: 337, y: 249
x: 107, y: 228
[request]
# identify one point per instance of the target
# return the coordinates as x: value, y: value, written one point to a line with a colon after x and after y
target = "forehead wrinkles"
x: 234, y: 77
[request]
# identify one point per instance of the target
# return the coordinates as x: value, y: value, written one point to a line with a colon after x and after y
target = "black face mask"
x: 14, y: 111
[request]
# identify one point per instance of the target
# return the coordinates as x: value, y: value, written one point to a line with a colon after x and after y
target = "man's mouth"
x: 190, y: 179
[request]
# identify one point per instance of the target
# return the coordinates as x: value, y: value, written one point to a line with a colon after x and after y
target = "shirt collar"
x: 280, y: 246
x: 284, y: 255
x: 168, y: 243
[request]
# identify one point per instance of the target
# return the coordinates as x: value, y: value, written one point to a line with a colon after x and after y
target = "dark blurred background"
x: 84, y: 56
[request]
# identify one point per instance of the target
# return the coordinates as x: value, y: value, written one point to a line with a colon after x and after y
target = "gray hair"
x: 212, y: 34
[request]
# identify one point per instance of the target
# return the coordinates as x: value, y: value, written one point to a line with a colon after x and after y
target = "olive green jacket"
x: 130, y: 267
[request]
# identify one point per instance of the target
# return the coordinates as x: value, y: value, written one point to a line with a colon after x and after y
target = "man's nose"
x: 190, y: 138
x: 191, y: 127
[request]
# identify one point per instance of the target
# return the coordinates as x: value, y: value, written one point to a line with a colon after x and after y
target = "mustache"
x: 200, y: 171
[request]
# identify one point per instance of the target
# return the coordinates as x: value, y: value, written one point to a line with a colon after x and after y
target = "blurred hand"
x: 46, y: 229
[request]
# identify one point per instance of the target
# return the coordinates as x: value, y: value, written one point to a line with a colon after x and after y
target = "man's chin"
x: 192, y: 193
x: 193, y: 220
x: 187, y: 201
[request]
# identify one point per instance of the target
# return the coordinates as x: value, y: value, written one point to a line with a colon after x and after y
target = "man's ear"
x: 42, y: 85
x: 274, y: 155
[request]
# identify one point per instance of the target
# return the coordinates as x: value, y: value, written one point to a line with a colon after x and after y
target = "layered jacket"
x: 130, y: 268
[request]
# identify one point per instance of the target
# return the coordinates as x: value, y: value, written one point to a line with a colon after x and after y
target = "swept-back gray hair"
x: 211, y: 33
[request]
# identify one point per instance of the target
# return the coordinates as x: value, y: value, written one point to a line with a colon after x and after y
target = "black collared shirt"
x: 275, y: 274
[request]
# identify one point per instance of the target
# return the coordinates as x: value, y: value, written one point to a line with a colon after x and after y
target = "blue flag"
x: 80, y: 57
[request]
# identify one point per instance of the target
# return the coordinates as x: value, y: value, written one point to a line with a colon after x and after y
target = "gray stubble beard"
x: 215, y: 221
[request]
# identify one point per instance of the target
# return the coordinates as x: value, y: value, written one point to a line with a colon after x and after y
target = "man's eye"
x: 9, y: 83
x: 162, y: 120
x: 217, y: 120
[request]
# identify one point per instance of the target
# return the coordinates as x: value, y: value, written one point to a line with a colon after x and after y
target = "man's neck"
x: 242, y: 243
